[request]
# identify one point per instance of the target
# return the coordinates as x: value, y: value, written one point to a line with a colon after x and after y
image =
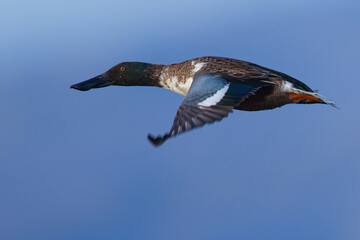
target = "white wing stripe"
x: 214, y: 99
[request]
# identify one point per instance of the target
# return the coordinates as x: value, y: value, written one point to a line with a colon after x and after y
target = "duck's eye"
x: 122, y: 68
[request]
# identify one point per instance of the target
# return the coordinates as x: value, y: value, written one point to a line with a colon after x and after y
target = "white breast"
x: 180, y: 85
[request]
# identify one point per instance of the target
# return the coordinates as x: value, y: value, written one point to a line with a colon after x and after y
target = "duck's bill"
x: 96, y: 82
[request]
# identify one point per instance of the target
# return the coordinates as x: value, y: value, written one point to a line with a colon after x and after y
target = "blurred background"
x: 77, y: 165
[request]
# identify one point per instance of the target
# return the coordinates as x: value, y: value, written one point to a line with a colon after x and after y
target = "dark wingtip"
x: 157, y: 141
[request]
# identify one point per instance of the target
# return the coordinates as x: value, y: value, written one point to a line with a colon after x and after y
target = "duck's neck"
x: 152, y: 75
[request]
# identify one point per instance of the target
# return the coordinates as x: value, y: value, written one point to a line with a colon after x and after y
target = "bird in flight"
x: 212, y: 86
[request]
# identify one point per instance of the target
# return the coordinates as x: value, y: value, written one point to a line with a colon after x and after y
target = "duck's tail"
x: 310, y: 97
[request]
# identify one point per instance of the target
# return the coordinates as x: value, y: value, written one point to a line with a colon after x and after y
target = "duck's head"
x: 123, y: 74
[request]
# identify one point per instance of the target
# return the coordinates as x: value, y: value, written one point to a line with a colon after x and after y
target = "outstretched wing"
x: 211, y: 97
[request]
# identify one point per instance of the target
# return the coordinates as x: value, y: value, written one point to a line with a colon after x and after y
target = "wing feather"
x: 221, y: 95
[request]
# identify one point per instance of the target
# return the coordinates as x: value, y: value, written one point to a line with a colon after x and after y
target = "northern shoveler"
x: 212, y: 86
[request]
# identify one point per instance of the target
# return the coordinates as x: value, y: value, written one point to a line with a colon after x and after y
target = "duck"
x: 212, y: 88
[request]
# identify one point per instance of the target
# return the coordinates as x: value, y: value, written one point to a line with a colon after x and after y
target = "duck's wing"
x: 211, y: 98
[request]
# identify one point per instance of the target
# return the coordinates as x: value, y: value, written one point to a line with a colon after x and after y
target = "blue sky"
x: 77, y: 165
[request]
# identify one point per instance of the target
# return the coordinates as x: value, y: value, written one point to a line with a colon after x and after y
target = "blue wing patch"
x: 203, y: 87
x: 210, y: 90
